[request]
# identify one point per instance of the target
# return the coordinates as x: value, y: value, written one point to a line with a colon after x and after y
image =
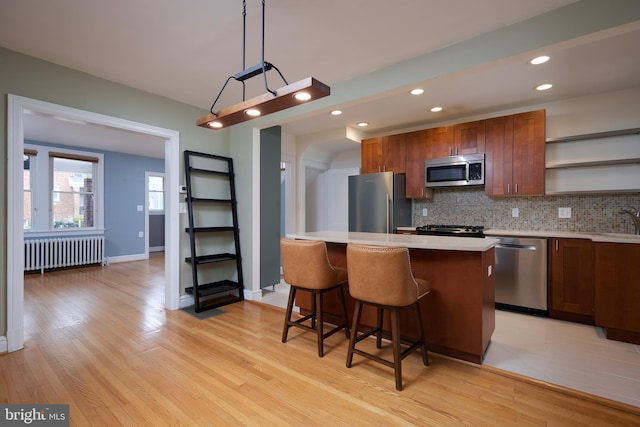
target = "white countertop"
x: 410, y: 241
x: 596, y: 237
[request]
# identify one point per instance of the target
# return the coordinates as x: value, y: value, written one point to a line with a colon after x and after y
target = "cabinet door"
x: 439, y: 142
x: 468, y: 138
x: 528, y: 153
x: 416, y: 154
x: 499, y: 151
x: 371, y: 155
x: 394, y: 153
x: 617, y: 300
x: 572, y: 283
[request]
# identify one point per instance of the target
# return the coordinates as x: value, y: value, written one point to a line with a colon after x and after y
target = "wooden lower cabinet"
x: 617, y: 290
x: 458, y: 314
x: 571, y: 280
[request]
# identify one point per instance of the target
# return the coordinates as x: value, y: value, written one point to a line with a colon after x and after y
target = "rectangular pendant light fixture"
x: 288, y: 96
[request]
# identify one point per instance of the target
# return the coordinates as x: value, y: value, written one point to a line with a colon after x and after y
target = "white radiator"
x: 57, y: 252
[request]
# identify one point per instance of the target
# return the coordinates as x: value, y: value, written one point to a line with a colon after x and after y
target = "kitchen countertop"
x: 410, y: 241
x: 596, y: 237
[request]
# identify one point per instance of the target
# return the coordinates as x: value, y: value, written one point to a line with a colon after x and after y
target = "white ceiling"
x: 186, y: 50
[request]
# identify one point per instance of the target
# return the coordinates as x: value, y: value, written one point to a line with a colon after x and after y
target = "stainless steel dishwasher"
x: 521, y: 274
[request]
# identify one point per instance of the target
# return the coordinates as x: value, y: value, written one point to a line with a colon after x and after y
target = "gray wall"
x: 270, y: 206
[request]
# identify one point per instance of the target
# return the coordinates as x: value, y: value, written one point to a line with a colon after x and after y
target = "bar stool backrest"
x: 381, y: 275
x: 305, y: 264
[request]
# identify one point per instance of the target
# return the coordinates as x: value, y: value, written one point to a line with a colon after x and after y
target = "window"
x: 64, y: 195
x: 72, y: 192
x: 28, y: 191
x: 156, y: 193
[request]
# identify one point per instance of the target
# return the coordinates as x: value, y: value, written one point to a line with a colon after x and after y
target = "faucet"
x: 635, y: 217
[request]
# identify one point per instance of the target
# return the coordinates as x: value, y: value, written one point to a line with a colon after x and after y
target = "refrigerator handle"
x: 388, y: 209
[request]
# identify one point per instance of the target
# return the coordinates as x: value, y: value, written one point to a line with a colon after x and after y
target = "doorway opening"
x: 17, y: 108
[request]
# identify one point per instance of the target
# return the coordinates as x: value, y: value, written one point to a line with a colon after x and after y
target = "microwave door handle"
x: 466, y: 167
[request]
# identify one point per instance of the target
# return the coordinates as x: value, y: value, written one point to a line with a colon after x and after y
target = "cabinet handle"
x: 457, y: 151
x: 516, y: 188
x: 557, y: 246
x: 508, y: 188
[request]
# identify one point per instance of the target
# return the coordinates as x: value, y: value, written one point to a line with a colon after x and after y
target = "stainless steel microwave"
x: 454, y: 171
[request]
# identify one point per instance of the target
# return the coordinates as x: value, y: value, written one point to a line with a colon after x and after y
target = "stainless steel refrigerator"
x: 377, y: 203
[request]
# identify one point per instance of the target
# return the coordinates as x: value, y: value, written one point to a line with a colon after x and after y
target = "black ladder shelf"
x: 211, y: 177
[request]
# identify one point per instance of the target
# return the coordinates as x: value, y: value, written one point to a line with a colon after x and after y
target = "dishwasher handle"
x: 514, y: 246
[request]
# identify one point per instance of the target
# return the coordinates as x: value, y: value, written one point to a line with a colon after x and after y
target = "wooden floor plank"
x: 100, y: 340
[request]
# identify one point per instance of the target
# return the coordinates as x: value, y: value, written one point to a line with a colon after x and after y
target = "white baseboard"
x: 156, y: 248
x: 3, y: 345
x: 253, y: 295
x: 124, y: 258
x: 186, y: 300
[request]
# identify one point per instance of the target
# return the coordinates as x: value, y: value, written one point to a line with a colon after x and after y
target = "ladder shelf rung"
x: 209, y: 171
x: 211, y: 229
x: 208, y: 200
x: 213, y: 288
x: 207, y: 259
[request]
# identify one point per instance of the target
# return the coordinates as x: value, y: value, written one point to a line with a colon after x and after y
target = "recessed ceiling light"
x: 417, y: 91
x: 252, y: 112
x: 363, y: 124
x: 436, y: 109
x: 215, y: 125
x: 539, y: 60
x: 544, y: 86
x: 336, y: 112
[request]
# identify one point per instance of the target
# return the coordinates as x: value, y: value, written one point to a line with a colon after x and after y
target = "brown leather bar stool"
x: 306, y: 266
x: 381, y: 276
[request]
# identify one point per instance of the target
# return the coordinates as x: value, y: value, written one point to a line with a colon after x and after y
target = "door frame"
x: 16, y: 108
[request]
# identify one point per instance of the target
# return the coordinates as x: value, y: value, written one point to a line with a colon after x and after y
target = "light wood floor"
x: 99, y: 340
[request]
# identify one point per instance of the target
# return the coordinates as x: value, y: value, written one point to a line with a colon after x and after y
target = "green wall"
x: 33, y: 78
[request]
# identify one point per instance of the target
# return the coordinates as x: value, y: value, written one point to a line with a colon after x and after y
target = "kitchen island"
x: 458, y: 314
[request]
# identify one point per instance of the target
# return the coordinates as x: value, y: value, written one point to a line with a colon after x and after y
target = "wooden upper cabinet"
x: 529, y: 133
x: 383, y: 154
x: 394, y: 153
x: 514, y: 147
x: 439, y: 141
x: 371, y: 155
x: 416, y: 154
x: 498, y: 154
x: 468, y: 138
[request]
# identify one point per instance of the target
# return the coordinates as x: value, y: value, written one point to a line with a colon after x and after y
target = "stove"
x: 451, y: 230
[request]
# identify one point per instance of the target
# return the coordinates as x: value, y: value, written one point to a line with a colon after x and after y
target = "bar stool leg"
x: 320, y: 323
x: 397, y: 351
x: 343, y: 303
x: 354, y: 332
x: 287, y: 317
x: 423, y: 345
x: 380, y: 317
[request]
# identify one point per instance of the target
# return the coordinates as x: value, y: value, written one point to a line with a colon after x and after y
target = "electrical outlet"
x: 140, y: 233
x: 425, y: 211
x: 564, y: 212
x: 515, y: 212
x: 139, y: 208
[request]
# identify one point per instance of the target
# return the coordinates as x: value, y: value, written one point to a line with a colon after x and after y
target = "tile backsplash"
x: 470, y: 206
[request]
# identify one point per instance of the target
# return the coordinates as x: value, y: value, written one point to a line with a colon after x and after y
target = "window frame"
x: 42, y: 191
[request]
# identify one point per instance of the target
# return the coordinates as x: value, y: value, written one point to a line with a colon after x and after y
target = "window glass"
x: 156, y: 193
x: 28, y: 193
x: 72, y: 193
